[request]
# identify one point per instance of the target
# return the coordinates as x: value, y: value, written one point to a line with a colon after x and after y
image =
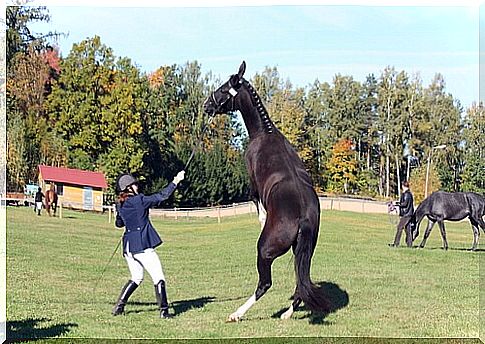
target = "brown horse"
x: 288, y: 205
x: 51, y: 200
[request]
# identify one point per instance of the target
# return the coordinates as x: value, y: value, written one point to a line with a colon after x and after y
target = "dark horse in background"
x: 51, y: 200
x: 451, y: 206
x: 288, y: 206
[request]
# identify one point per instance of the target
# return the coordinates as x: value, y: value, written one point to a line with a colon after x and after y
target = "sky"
x: 305, y: 43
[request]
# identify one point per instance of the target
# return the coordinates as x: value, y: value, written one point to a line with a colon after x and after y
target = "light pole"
x: 428, y: 166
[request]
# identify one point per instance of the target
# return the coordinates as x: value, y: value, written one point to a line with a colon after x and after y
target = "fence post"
x: 176, y: 214
x: 109, y: 214
x: 60, y: 209
x: 219, y: 214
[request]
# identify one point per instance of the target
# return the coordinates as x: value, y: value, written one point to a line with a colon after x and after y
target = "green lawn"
x: 53, y: 265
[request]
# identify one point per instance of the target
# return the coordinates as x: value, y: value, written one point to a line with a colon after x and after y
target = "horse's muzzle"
x: 209, y: 106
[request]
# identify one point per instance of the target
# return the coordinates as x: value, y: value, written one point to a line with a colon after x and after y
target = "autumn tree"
x: 342, y: 167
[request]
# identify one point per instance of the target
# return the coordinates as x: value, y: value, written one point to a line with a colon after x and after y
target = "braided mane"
x: 263, y: 113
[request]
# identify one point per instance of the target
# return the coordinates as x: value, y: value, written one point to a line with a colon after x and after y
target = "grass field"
x: 53, y: 265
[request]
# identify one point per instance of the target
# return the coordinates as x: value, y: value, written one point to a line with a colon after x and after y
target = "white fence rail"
x: 326, y: 203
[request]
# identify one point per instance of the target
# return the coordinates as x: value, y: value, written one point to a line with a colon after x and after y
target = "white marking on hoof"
x: 237, y: 315
x: 234, y: 317
x: 287, y: 315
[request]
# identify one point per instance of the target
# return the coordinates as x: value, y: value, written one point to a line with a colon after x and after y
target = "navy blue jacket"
x: 133, y: 214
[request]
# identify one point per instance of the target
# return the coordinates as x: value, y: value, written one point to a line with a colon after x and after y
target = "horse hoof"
x: 233, y: 318
x: 286, y: 315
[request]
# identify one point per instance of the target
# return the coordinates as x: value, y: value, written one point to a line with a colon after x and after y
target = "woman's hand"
x: 179, y: 177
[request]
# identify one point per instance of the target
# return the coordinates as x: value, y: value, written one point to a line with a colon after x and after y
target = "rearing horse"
x: 288, y: 206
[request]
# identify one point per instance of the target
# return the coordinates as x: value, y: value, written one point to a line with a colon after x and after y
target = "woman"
x: 38, y: 200
x: 140, y: 239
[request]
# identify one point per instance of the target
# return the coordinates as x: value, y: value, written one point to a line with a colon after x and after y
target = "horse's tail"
x: 313, y: 297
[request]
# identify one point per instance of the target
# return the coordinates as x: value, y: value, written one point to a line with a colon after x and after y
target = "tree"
x: 474, y: 134
x: 20, y: 37
x: 96, y: 107
x: 444, y: 128
x: 418, y: 182
x: 317, y: 135
x: 16, y: 146
x: 342, y: 167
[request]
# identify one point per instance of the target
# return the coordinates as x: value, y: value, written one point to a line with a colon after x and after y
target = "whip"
x: 199, y: 141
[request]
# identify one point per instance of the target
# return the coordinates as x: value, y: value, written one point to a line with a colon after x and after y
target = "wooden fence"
x: 326, y: 203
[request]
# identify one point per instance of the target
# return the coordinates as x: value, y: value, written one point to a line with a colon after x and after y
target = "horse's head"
x: 222, y: 99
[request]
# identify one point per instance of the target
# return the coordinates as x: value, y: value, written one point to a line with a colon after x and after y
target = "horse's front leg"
x: 443, y: 234
x: 427, y: 232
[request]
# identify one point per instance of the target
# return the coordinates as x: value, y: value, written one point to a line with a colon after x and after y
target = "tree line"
x: 94, y: 110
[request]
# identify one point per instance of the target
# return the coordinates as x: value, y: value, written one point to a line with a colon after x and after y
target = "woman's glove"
x: 179, y: 177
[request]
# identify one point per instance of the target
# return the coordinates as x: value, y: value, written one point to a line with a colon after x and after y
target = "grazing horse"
x: 451, y: 206
x: 51, y: 200
x: 288, y: 206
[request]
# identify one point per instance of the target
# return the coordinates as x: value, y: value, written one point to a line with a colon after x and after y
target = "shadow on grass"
x: 337, y: 297
x: 466, y: 249
x: 179, y: 307
x: 461, y: 249
x: 32, y: 329
x: 186, y: 305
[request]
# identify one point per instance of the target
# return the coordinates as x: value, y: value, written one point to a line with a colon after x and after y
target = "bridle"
x: 230, y: 96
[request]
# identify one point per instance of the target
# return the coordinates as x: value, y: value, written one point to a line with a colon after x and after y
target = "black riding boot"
x: 161, y: 295
x: 126, y: 292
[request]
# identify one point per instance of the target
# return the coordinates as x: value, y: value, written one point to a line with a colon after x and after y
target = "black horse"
x: 288, y: 206
x: 451, y: 206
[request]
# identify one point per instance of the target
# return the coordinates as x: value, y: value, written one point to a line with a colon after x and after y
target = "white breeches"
x: 147, y: 260
x: 38, y: 205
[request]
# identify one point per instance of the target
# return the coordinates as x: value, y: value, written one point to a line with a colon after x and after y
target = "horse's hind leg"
x: 476, y: 233
x: 443, y: 234
x: 427, y: 232
x: 294, y: 305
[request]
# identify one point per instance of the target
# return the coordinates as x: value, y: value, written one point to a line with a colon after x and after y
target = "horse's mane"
x: 258, y: 103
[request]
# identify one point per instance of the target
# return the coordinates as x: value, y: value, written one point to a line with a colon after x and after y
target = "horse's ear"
x: 242, y: 69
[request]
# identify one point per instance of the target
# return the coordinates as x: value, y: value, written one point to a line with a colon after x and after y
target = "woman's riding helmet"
x: 124, y: 181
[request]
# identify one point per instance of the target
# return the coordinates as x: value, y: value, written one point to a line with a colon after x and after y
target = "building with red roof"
x: 76, y: 189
